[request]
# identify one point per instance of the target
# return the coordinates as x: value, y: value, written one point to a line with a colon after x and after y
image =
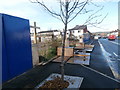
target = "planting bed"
x: 54, y: 81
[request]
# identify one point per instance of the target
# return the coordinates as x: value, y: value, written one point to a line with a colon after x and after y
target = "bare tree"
x: 69, y: 10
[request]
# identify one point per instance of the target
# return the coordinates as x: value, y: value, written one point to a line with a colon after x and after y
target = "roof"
x: 78, y: 27
x: 50, y: 31
x: 115, y: 31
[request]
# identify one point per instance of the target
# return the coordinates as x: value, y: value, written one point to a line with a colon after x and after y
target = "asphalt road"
x: 111, y: 52
x: 97, y: 75
x: 110, y: 46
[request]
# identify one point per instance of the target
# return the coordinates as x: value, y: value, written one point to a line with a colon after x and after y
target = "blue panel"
x: 86, y: 38
x: 18, y: 44
x: 4, y: 56
x: 5, y: 72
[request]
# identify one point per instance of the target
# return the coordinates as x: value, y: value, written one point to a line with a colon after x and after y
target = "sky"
x: 34, y: 12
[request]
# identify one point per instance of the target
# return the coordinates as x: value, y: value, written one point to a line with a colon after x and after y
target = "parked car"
x: 111, y: 37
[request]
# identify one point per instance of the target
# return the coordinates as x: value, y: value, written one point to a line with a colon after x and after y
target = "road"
x: 111, y: 52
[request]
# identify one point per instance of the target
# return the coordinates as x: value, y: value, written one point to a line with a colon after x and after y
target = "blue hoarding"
x: 86, y: 37
x: 16, y: 46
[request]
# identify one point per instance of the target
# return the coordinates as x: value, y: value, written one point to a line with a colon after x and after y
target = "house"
x: 115, y: 32
x: 79, y: 32
x: 49, y: 35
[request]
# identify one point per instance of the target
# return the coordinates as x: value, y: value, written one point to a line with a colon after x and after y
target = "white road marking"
x: 106, y: 54
x: 115, y: 54
x: 101, y: 73
x: 114, y: 42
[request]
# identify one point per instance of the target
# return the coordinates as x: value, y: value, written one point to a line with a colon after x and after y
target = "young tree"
x: 69, y: 10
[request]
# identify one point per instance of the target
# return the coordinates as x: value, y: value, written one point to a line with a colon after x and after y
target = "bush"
x: 48, y: 53
x: 51, y: 52
x: 72, y: 45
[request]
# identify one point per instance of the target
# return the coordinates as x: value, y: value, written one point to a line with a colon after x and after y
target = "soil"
x: 55, y: 83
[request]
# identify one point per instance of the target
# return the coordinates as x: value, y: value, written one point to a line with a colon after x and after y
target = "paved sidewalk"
x: 91, y: 79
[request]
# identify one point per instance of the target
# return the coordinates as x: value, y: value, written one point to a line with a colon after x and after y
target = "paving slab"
x: 80, y: 59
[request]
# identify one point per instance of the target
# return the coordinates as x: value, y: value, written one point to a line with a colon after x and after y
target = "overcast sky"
x: 33, y: 12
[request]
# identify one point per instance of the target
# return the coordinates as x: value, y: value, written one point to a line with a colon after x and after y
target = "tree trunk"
x: 63, y: 50
x: 64, y: 37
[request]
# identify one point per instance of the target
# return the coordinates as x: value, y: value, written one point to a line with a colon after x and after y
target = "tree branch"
x: 73, y: 7
x: 97, y: 26
x: 103, y: 18
x: 58, y: 16
x: 46, y: 8
x: 96, y: 23
x: 61, y: 10
x: 95, y: 4
x: 78, y: 11
x: 92, y: 16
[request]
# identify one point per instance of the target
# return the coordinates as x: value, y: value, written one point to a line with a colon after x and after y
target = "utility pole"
x: 35, y: 32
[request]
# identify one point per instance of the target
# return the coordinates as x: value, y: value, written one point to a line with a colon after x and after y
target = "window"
x: 78, y: 31
x: 73, y: 31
